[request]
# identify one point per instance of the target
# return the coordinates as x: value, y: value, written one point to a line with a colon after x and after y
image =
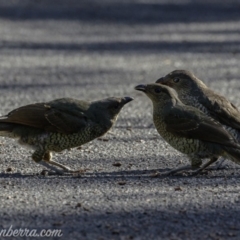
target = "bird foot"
x: 165, y: 174
x: 176, y: 171
x: 51, y: 167
x: 201, y: 171
x: 219, y: 165
x: 179, y: 171
x: 155, y: 174
x: 56, y: 171
x: 47, y: 172
x: 195, y: 172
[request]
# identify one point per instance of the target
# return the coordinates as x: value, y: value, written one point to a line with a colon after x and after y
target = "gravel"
x: 96, y: 49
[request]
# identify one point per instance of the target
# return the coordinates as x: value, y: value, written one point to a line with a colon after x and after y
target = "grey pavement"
x: 95, y: 49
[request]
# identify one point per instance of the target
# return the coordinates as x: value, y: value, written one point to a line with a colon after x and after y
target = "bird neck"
x: 106, y: 122
x: 160, y: 109
x: 192, y: 94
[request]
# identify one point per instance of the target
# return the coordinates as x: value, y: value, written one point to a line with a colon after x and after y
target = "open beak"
x: 141, y: 87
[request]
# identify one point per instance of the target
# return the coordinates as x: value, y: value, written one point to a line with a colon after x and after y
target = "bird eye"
x: 176, y: 80
x: 157, y: 90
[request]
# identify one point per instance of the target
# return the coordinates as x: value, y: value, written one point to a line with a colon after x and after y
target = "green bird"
x: 60, y: 124
x: 188, y: 129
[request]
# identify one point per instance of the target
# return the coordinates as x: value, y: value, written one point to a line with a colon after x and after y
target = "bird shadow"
x: 159, y: 173
x: 16, y: 175
x: 210, y: 173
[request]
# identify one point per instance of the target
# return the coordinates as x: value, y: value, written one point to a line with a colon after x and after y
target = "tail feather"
x: 6, y: 129
x: 233, y: 154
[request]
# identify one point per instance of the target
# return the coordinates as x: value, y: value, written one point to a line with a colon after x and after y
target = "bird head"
x: 114, y: 105
x: 108, y: 109
x: 159, y: 94
x: 184, y: 82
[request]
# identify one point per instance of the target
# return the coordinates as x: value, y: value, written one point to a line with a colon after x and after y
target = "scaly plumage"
x: 192, y: 91
x: 189, y: 130
x: 60, y: 124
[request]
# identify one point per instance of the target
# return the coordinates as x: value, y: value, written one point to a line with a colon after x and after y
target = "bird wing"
x: 48, y: 116
x: 32, y: 115
x: 66, y: 122
x: 222, y: 109
x: 191, y: 123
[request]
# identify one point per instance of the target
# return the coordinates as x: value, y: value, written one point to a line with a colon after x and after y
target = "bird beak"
x: 164, y: 81
x: 141, y: 87
x: 127, y: 100
x: 161, y: 80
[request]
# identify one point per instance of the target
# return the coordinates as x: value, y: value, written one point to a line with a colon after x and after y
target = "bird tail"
x: 6, y: 130
x: 233, y: 154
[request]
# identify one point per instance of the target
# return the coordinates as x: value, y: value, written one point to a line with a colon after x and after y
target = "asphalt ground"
x: 95, y: 49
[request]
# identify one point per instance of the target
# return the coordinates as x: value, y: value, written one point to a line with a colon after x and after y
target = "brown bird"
x: 188, y: 129
x: 192, y: 91
x: 60, y: 124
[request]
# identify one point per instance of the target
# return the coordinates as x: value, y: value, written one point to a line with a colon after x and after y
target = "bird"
x: 188, y: 129
x: 60, y: 124
x: 192, y: 91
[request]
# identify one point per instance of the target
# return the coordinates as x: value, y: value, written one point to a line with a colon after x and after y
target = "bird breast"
x: 54, y: 141
x: 184, y: 145
x: 194, y: 102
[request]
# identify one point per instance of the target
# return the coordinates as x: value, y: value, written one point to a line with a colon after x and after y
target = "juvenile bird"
x: 192, y: 91
x: 60, y: 124
x: 188, y: 129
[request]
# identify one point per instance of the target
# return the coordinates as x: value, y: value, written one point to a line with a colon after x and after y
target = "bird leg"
x: 219, y: 164
x: 40, y: 155
x: 50, y: 167
x: 212, y: 160
x: 48, y: 158
x: 195, y: 163
x: 177, y: 170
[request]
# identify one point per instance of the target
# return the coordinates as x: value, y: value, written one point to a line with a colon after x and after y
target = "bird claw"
x: 155, y: 174
x: 177, y: 171
x: 195, y: 172
x: 47, y: 172
x: 164, y: 174
x: 199, y: 171
x: 53, y: 170
x: 181, y: 172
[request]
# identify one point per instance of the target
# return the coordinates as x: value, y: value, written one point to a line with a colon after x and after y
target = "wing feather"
x: 222, y: 109
x: 191, y: 123
x: 50, y: 116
